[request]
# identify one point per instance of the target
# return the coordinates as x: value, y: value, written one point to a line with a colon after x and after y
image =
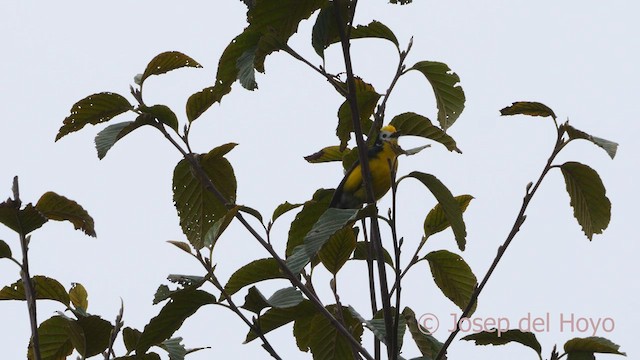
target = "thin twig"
x: 372, y: 285
x: 503, y: 248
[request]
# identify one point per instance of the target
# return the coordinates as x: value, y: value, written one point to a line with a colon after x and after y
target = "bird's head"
x: 389, y: 134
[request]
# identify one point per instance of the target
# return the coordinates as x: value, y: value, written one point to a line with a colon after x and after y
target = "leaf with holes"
x: 58, y: 207
x: 198, y: 208
x: 591, y: 207
x: 167, y: 61
x: 93, y: 109
x: 530, y: 108
x: 410, y: 123
x: 327, y: 154
x: 46, y: 289
x: 450, y: 97
x: 453, y: 276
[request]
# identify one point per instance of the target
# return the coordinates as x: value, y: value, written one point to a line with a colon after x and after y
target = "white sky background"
x: 578, y: 58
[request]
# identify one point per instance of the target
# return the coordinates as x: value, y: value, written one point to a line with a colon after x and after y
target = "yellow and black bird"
x: 351, y: 193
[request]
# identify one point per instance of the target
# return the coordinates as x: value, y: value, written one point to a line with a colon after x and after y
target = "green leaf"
x: 253, y: 272
x: 327, y: 154
x: 301, y: 332
x: 5, y: 250
x: 436, y: 220
x: 96, y: 333
x: 450, y: 97
x: 174, y: 348
x: 111, y: 134
x: 253, y: 212
x: 227, y: 71
x: 453, y: 276
x: 326, y: 342
x: 591, y: 207
x: 149, y: 356
x: 130, y: 337
x: 592, y: 344
x: 282, y: 209
x: 166, y: 62
x: 93, y: 109
x: 46, y: 289
x: 21, y: 221
x: 275, y: 317
x: 361, y: 250
x: 498, y: 337
x: 528, y: 108
x: 375, y: 29
x: 181, y: 245
x: 163, y: 114
x: 410, y: 123
x: 198, y: 208
x: 246, y: 73
x: 309, y: 215
x: 188, y: 283
x: 378, y: 327
x: 255, y: 301
x: 55, y: 343
x: 367, y: 99
x: 428, y: 345
x: 171, y: 317
x: 325, y: 29
x: 609, y: 146
x: 219, y: 226
x: 401, y: 2
x: 450, y: 206
x: 335, y: 253
x: 201, y: 101
x: 79, y: 297
x: 58, y: 207
x: 328, y: 224
x: 285, y: 298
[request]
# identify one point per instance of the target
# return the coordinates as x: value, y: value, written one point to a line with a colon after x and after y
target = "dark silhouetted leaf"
x: 5, y: 250
x: 501, y: 337
x: 255, y: 301
x: 55, y: 343
x: 436, y: 219
x: 46, y: 288
x: 417, y: 125
x: 201, y: 101
x: 93, y: 109
x: 609, y: 146
x: 337, y: 250
x: 96, y: 333
x: 326, y: 342
x: 275, y: 317
x: 374, y: 29
x: 360, y: 253
x: 285, y: 298
x: 163, y: 114
x: 329, y: 153
x: 181, y: 245
x: 198, y: 208
x: 130, y: 337
x: 450, y: 97
x: 328, y: 224
x: 528, y: 108
x: 308, y: 216
x: 246, y: 72
x: 591, y: 207
x: 58, y: 207
x: 21, y: 220
x: 253, y: 272
x: 367, y: 99
x: 111, y: 134
x: 282, y: 209
x: 428, y: 345
x: 592, y: 344
x: 450, y: 206
x: 301, y: 332
x: 453, y: 276
x: 171, y: 317
x: 166, y: 62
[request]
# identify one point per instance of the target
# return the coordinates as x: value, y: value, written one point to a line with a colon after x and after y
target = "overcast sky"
x: 581, y: 59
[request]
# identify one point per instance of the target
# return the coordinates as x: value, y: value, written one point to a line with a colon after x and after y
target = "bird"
x: 382, y: 157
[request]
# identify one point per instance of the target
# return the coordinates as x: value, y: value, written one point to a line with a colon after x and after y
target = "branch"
x: 530, y: 191
x: 366, y: 177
